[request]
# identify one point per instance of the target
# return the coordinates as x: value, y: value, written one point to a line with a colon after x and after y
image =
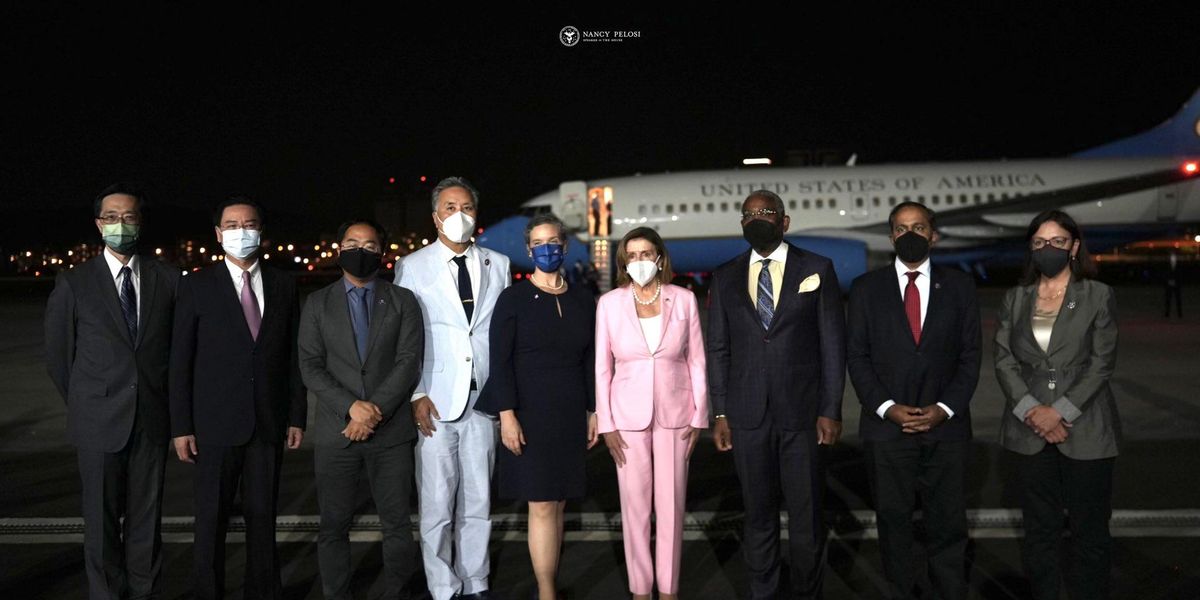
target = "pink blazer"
x: 633, y: 385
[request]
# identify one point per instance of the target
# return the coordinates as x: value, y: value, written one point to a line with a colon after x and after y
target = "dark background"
x: 312, y: 112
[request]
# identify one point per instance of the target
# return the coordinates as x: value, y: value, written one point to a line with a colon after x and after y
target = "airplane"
x: 1123, y: 191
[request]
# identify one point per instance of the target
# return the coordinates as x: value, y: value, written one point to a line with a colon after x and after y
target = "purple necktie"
x: 250, y: 306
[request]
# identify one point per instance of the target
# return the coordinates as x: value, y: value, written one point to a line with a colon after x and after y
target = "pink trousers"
x: 654, y: 478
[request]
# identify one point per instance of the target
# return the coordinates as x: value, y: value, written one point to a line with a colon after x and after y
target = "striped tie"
x: 129, y: 302
x: 766, y: 295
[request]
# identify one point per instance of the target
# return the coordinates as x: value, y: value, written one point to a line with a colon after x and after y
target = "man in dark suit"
x: 108, y: 331
x: 913, y: 356
x: 361, y: 342
x: 236, y: 396
x: 776, y: 360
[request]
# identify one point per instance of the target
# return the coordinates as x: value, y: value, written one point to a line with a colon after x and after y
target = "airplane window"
x: 654, y: 209
x: 642, y: 209
x: 670, y: 208
x: 906, y: 199
x: 858, y: 202
x: 710, y: 206
x: 991, y: 197
x: 820, y: 203
x: 696, y: 207
x: 805, y: 204
x: 978, y: 199
x: 935, y: 200
x: 1004, y: 196
x: 833, y: 203
x: 724, y: 207
x: 792, y: 204
x: 875, y: 201
x: 682, y: 208
x: 891, y: 200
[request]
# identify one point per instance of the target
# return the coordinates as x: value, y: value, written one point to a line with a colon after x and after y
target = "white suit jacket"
x: 454, y: 348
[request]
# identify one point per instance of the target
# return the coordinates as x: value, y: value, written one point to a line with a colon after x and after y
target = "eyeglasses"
x: 127, y: 218
x: 762, y: 212
x: 1058, y: 242
x: 248, y: 225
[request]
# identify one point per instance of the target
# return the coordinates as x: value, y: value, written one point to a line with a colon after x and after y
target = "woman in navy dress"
x: 542, y: 385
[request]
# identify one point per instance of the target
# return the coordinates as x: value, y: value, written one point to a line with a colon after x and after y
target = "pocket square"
x: 810, y: 283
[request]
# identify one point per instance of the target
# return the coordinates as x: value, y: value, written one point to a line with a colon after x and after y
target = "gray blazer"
x: 331, y: 368
x: 108, y: 380
x: 1081, y: 359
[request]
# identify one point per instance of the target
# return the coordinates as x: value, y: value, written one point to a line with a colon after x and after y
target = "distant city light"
x: 424, y: 242
x: 279, y: 248
x: 291, y: 247
x: 203, y: 250
x: 296, y: 259
x: 334, y: 245
x: 70, y: 253
x: 28, y: 254
x: 391, y: 180
x: 306, y: 261
x: 316, y: 247
x: 756, y: 161
x: 266, y: 257
x: 395, y: 246
x: 157, y: 252
x: 310, y: 267
x: 1189, y: 168
x: 1196, y: 239
x: 422, y: 179
x: 214, y: 258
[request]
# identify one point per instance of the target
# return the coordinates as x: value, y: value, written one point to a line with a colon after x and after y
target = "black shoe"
x: 484, y: 595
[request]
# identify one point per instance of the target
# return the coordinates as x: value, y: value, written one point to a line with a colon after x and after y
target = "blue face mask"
x: 548, y: 257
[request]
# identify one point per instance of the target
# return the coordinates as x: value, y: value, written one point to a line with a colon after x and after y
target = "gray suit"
x: 1082, y: 355
x: 115, y: 388
x: 333, y: 371
x: 1075, y: 476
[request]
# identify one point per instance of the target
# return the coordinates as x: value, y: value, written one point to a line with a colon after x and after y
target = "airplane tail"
x: 1178, y: 136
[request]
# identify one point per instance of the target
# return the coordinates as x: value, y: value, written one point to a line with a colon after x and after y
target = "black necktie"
x: 129, y: 302
x: 464, y: 286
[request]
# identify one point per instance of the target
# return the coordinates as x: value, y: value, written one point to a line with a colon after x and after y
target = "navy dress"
x: 542, y: 367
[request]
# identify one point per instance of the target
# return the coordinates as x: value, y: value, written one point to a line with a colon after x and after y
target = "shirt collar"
x: 448, y: 254
x: 370, y: 285
x: 901, y: 268
x: 114, y: 264
x: 236, y: 271
x: 778, y: 256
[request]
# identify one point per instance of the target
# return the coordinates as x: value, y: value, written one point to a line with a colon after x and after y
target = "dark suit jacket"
x: 225, y: 386
x: 886, y: 364
x: 105, y: 377
x: 331, y: 368
x: 1083, y: 355
x: 796, y: 370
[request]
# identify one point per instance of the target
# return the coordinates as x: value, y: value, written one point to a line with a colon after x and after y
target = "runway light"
x: 1190, y: 168
x: 756, y: 161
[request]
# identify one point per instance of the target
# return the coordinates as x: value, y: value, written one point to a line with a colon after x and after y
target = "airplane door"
x: 1168, y: 203
x: 572, y: 205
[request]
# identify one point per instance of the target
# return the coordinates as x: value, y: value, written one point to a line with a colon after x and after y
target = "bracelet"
x: 718, y: 417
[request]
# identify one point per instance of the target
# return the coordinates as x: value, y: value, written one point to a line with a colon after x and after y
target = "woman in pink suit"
x: 651, y: 403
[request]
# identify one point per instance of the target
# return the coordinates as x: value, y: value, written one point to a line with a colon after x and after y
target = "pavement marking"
x: 986, y: 523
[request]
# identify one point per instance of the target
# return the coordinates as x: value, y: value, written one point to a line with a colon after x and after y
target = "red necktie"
x: 912, y: 305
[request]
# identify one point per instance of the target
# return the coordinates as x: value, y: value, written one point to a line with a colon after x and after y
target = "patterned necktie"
x: 250, y: 306
x: 912, y: 305
x: 129, y: 302
x: 766, y: 295
x: 360, y: 320
x: 464, y: 286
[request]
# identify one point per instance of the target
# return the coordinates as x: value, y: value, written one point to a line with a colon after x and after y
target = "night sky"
x: 311, y: 113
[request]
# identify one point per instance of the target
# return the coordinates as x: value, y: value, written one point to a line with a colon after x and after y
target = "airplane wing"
x: 1058, y: 198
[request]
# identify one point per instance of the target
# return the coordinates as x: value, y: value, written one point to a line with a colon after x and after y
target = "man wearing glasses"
x: 236, y: 396
x: 108, y: 332
x: 776, y: 370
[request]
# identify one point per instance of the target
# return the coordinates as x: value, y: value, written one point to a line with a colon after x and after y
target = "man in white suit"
x: 457, y: 284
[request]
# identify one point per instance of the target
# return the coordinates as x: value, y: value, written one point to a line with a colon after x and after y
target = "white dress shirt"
x: 652, y: 330
x: 472, y: 265
x: 256, y: 284
x: 114, y: 266
x: 778, y: 263
x: 922, y: 282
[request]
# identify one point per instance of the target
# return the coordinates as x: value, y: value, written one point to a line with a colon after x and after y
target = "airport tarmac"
x: 1156, y: 494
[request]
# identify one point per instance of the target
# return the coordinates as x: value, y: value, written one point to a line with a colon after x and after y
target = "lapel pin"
x: 487, y: 262
x: 535, y: 296
x: 937, y: 286
x: 1071, y: 305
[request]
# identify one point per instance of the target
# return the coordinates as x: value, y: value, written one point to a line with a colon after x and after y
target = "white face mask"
x: 642, y: 271
x: 240, y: 243
x: 458, y: 227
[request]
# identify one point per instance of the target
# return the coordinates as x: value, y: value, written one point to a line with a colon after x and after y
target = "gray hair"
x: 546, y: 219
x: 450, y: 182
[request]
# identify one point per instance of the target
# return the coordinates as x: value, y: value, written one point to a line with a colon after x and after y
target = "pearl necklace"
x: 657, y: 291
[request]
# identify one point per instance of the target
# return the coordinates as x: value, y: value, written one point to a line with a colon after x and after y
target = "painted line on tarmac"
x: 988, y: 523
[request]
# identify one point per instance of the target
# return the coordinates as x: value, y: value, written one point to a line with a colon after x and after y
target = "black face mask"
x: 1050, y: 261
x: 912, y: 247
x: 761, y: 234
x: 359, y: 262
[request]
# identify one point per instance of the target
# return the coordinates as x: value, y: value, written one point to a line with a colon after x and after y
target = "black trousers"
x: 220, y: 471
x: 123, y: 559
x: 390, y: 474
x: 1053, y: 483
x: 902, y: 471
x: 774, y: 464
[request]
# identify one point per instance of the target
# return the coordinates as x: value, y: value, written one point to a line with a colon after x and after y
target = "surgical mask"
x: 121, y: 237
x: 548, y: 257
x: 458, y: 227
x: 359, y: 262
x: 761, y: 234
x: 912, y: 247
x: 1050, y: 261
x: 642, y: 271
x: 240, y: 243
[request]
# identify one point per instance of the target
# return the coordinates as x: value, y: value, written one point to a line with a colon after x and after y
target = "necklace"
x: 549, y: 288
x: 1055, y: 295
x: 657, y: 291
